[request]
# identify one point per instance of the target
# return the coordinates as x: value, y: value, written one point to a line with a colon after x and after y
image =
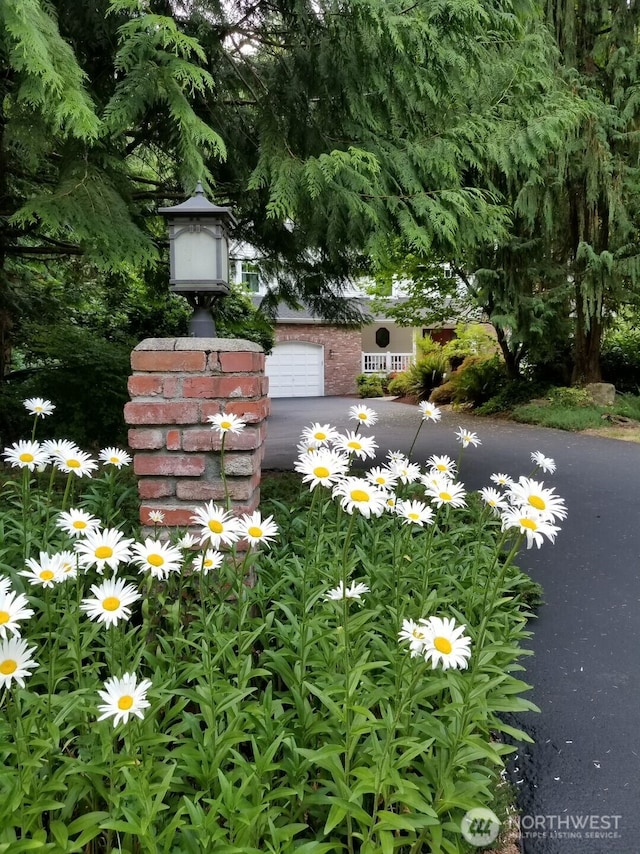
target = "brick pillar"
x: 176, y: 384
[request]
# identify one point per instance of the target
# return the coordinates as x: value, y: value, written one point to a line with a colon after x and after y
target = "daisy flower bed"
x: 332, y: 677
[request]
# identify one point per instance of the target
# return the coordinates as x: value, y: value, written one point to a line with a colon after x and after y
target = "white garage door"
x: 296, y: 369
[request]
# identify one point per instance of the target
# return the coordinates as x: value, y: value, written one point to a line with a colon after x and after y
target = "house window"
x: 250, y: 277
x: 382, y: 337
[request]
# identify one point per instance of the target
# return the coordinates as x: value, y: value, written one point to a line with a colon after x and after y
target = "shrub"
x: 620, y: 360
x: 443, y: 393
x: 426, y: 374
x: 570, y: 396
x: 369, y: 385
x: 478, y: 379
x: 512, y: 394
x: 399, y: 385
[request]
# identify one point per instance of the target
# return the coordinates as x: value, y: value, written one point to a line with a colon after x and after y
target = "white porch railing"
x: 385, y: 363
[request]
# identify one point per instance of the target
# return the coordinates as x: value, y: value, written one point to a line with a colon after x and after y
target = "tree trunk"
x: 587, y: 346
x: 511, y: 358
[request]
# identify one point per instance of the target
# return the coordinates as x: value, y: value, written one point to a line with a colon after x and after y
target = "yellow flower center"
x: 254, y: 531
x: 216, y: 527
x: 111, y: 603
x: 8, y: 666
x: 362, y: 416
x: 125, y: 702
x: 114, y: 460
x: 321, y: 471
x: 26, y: 458
x: 443, y: 645
x: 79, y: 524
x: 207, y: 563
x: 380, y: 480
x: 320, y: 436
x: 413, y: 516
x: 225, y: 425
x: 355, y: 446
x: 155, y: 560
x: 441, y: 467
x: 104, y: 552
x: 446, y: 496
x: 46, y: 575
x: 5, y: 616
x: 529, y: 523
x: 359, y: 495
x: 73, y: 464
x: 537, y: 502
x: 418, y: 634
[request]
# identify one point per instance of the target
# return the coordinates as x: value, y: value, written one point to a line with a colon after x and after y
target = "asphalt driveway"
x: 581, y: 778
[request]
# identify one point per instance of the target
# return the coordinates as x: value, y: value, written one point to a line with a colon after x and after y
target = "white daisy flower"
x: 492, y: 498
x: 445, y: 644
x: 529, y: 522
x: 78, y: 462
x: 447, y: 492
x: 429, y: 412
x: 107, y: 547
x: 397, y: 458
x: 219, y: 526
x: 59, y: 447
x: 124, y: 697
x: 304, y: 448
x: 501, y: 479
x: 13, y: 609
x: 156, y: 516
x: 383, y: 477
x: 208, y: 561
x: 353, y: 443
x: 111, y: 601
x: 254, y: 529
x: 26, y: 454
x: 358, y: 494
x: 416, y: 634
x: 354, y: 591
x: 5, y: 584
x: 442, y: 464
x: 156, y: 557
x: 318, y: 434
x: 187, y: 541
x: 226, y: 422
x: 77, y: 523
x: 15, y: 661
x: 414, y: 512
x: 68, y: 564
x: 466, y: 438
x: 406, y: 471
x: 363, y: 415
x: 547, y: 464
x: 45, y: 572
x: 38, y: 406
x: 114, y: 457
x: 531, y: 493
x: 322, y: 466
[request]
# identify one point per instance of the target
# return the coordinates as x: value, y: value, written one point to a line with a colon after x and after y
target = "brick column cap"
x: 207, y: 345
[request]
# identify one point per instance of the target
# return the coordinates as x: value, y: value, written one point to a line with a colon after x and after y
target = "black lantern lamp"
x: 199, y: 257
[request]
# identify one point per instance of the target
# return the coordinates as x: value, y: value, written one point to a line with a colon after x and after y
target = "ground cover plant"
x: 330, y: 682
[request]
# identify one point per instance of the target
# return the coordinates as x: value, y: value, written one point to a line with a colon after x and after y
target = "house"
x: 313, y: 357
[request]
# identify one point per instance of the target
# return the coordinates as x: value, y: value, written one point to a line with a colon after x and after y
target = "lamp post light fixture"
x: 199, y: 257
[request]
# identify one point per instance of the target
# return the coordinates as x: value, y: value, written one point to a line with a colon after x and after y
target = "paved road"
x: 585, y: 765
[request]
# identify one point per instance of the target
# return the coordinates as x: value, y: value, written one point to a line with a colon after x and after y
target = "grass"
x: 565, y: 414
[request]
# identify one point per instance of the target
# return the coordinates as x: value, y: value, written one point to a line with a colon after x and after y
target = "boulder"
x: 602, y: 394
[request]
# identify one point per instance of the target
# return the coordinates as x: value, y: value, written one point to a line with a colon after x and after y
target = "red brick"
x: 209, y: 407
x: 206, y: 387
x: 180, y: 412
x: 146, y: 440
x: 155, y: 488
x: 239, y: 386
x: 185, y: 465
x: 198, y: 490
x: 144, y: 385
x: 250, y: 411
x: 198, y: 439
x: 172, y: 386
x: 173, y: 516
x: 174, y: 440
x: 247, y: 440
x: 168, y: 360
x: 241, y: 362
x: 264, y: 386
